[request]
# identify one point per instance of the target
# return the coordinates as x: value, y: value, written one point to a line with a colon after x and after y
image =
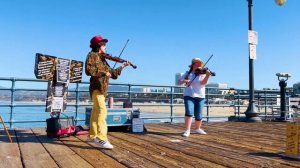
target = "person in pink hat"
x: 97, y: 67
x: 194, y: 95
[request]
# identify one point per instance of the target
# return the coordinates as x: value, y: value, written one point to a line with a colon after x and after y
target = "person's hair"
x: 187, y: 75
x: 97, y: 47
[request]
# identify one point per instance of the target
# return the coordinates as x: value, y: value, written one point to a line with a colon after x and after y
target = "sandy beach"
x: 179, y: 109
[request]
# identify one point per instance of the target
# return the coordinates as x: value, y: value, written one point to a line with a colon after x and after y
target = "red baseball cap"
x: 96, y: 40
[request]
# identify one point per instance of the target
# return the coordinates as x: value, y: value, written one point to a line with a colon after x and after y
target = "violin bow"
x: 208, y: 60
x: 121, y: 52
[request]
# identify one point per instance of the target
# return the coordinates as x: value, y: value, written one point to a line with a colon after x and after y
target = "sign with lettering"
x: 76, y: 71
x: 292, y: 139
x: 252, y: 51
x: 63, y: 70
x: 137, y: 125
x: 44, y: 66
x: 56, y: 97
x: 59, y: 72
x: 252, y: 37
x: 57, y: 104
x: 60, y: 69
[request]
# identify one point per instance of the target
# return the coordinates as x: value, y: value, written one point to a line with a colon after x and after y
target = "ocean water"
x: 36, y: 116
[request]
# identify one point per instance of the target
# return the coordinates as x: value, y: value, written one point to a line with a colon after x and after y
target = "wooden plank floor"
x: 227, y: 144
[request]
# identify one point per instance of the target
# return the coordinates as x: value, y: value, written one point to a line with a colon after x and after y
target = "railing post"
x: 207, y: 105
x: 239, y: 103
x: 171, y: 103
x: 258, y: 102
x: 12, y: 101
x: 288, y: 103
x: 129, y: 92
x: 265, y: 93
x: 77, y: 102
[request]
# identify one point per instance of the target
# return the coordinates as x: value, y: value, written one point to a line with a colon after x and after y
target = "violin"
x: 199, y: 71
x: 117, y: 59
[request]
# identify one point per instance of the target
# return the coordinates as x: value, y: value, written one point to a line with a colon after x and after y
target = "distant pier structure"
x: 296, y: 88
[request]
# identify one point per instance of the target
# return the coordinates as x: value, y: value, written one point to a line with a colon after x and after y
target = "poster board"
x: 56, y: 97
x: 76, y: 68
x: 59, y: 72
x: 137, y: 125
x: 63, y: 70
x: 44, y: 66
x: 60, y: 69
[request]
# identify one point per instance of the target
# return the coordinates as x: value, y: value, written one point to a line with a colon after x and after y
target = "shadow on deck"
x: 227, y: 144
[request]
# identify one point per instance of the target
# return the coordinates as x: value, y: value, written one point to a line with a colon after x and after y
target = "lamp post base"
x: 253, y: 119
x: 251, y: 114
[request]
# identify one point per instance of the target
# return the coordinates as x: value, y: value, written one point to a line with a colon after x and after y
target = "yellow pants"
x: 98, y: 126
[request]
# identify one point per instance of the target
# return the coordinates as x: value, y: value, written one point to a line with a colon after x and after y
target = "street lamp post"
x: 251, y: 112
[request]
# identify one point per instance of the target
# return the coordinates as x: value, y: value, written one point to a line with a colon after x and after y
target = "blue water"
x: 36, y: 116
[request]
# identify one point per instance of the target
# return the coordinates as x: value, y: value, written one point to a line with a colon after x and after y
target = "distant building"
x: 177, y: 77
x: 146, y: 90
x: 217, y: 88
x: 296, y: 88
x: 117, y: 88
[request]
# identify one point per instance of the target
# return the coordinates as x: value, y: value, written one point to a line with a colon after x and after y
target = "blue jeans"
x: 194, y: 105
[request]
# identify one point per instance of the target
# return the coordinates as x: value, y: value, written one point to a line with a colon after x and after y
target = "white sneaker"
x: 103, y: 144
x: 201, y: 131
x: 186, y: 133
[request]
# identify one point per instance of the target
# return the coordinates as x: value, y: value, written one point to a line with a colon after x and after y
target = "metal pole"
x: 129, y: 93
x: 12, y: 101
x: 171, y: 105
x: 77, y: 103
x: 265, y: 93
x: 207, y: 105
x: 251, y: 112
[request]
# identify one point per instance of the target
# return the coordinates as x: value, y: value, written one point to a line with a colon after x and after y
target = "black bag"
x: 57, y: 127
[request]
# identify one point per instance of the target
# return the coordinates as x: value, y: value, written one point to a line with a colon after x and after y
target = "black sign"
x: 44, y: 66
x: 76, y: 71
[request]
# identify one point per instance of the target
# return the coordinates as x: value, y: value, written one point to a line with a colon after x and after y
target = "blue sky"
x: 164, y: 35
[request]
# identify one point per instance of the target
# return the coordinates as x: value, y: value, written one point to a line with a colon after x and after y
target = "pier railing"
x: 23, y: 101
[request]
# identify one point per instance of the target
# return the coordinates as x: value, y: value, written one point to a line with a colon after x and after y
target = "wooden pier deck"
x: 227, y: 144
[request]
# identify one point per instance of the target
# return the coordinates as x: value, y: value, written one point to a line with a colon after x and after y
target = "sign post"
x: 59, y: 72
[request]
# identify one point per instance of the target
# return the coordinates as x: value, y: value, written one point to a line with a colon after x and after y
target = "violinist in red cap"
x: 97, y: 67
